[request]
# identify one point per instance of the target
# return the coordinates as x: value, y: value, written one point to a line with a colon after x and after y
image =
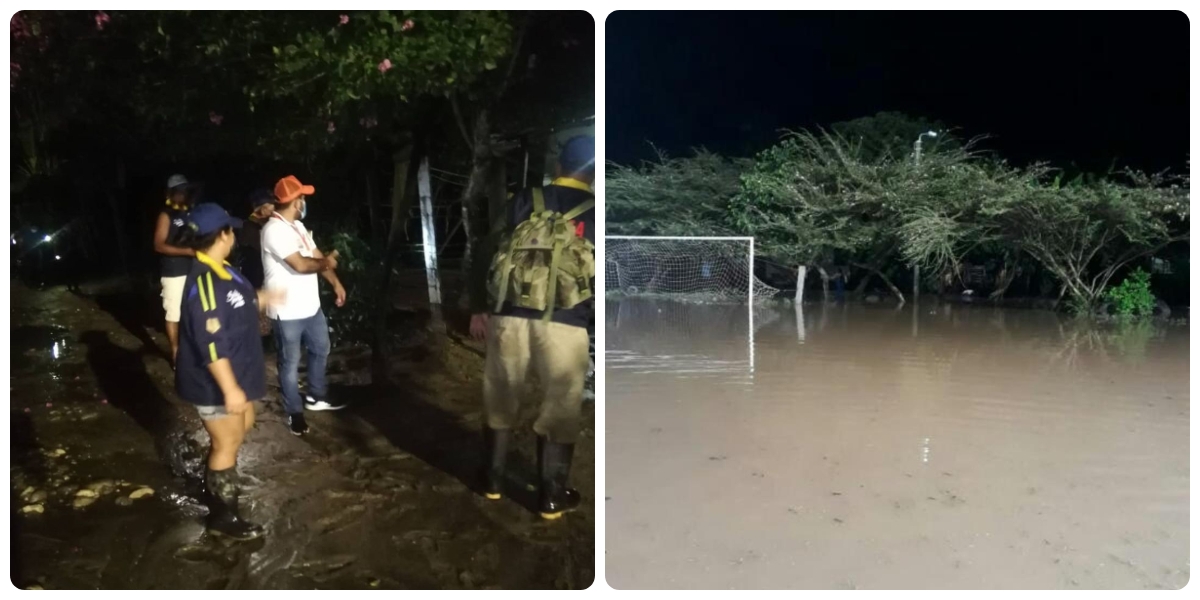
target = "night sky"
x: 1082, y: 88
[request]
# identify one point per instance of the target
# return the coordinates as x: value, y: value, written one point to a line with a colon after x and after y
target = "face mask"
x: 303, y: 209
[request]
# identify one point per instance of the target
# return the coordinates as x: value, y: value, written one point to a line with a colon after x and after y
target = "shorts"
x: 212, y: 413
x: 172, y: 295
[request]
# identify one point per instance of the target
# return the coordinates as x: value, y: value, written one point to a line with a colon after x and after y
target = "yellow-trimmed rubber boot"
x: 495, y: 443
x: 554, y: 467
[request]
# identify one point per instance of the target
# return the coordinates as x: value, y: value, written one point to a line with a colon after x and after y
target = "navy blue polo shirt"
x: 219, y: 320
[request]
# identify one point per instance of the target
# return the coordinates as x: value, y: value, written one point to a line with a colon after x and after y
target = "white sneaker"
x: 311, y: 403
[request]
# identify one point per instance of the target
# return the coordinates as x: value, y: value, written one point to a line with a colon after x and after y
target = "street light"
x: 917, y: 267
x: 917, y: 144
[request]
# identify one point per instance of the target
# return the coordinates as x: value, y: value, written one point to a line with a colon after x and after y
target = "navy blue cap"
x: 260, y: 197
x: 578, y: 154
x: 209, y: 218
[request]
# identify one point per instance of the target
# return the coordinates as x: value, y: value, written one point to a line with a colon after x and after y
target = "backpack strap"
x: 539, y: 201
x: 579, y: 210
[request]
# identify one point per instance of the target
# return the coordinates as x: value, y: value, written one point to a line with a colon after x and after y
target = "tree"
x: 812, y: 198
x: 1085, y: 234
x: 673, y: 196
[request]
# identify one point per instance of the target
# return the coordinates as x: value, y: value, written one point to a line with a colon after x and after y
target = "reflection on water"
x: 926, y: 447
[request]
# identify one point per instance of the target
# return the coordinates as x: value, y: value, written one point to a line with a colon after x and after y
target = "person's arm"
x: 303, y: 264
x: 235, y: 396
x: 284, y: 245
x: 161, y: 228
x: 331, y: 276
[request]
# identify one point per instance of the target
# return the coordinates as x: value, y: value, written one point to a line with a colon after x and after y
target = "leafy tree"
x: 673, y: 196
x: 1085, y: 233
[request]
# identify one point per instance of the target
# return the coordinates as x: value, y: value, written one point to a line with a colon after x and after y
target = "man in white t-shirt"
x: 291, y: 261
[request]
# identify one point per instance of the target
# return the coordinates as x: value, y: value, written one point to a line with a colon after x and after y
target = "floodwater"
x: 855, y: 447
x: 107, y: 465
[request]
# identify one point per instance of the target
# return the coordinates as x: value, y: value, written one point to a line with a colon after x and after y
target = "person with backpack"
x: 174, y: 260
x: 532, y: 302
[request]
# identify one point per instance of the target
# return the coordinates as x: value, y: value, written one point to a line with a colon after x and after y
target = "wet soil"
x: 106, y: 467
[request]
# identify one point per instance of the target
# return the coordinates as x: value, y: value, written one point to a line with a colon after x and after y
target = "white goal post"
x: 687, y: 268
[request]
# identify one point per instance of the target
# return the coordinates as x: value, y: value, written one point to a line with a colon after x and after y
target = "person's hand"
x: 274, y: 297
x: 331, y: 263
x: 236, y: 402
x: 479, y: 326
x: 331, y: 260
x: 340, y: 292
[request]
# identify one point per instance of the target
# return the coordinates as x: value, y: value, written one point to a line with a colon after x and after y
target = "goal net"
x: 693, y: 269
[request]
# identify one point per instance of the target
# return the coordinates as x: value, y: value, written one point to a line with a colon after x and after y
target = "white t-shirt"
x: 281, y: 239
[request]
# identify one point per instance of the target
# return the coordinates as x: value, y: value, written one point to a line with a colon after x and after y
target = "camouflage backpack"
x: 542, y: 264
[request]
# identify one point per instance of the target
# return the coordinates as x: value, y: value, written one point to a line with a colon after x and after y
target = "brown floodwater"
x: 944, y: 446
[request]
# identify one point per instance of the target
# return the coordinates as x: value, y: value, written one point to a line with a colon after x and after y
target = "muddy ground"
x: 379, y: 495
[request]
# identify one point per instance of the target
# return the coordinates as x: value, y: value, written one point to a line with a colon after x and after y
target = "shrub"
x: 1133, y: 297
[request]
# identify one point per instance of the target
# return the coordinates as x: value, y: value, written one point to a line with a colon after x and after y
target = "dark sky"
x: 1081, y: 87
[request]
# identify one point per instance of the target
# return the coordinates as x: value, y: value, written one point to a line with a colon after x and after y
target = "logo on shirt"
x: 212, y: 326
x: 178, y: 222
x: 235, y: 299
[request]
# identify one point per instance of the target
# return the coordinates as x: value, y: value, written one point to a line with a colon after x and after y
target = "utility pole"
x: 917, y: 160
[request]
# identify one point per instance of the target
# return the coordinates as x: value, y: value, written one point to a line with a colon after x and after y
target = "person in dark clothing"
x: 249, y: 237
x: 175, y: 260
x: 556, y: 346
x: 220, y: 366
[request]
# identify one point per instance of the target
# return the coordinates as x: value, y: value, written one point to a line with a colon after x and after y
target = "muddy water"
x: 861, y: 447
x: 377, y: 496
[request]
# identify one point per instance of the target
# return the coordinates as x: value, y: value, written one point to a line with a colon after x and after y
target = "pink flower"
x: 101, y: 18
x: 343, y: 19
x: 49, y: 404
x: 105, y: 401
x: 331, y: 128
x: 385, y: 65
x: 215, y: 118
x: 407, y: 25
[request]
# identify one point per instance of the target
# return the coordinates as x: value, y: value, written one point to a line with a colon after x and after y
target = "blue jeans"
x: 313, y: 334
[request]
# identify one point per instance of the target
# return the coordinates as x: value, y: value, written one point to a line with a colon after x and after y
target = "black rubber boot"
x: 224, y: 518
x: 554, y: 465
x: 495, y: 443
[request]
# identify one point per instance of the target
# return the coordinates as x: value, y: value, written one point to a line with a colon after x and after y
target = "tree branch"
x: 462, y: 126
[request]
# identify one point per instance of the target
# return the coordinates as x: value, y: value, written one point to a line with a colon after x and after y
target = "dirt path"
x: 376, y: 497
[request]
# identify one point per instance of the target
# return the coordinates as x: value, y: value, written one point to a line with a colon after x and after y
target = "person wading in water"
x: 221, y: 369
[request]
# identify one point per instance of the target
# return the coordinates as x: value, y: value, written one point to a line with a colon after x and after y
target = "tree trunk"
x: 824, y: 283
x: 861, y: 288
x: 372, y: 214
x: 429, y: 243
x: 401, y: 161
x: 888, y: 282
x: 475, y: 194
x: 801, y: 275
x: 1008, y: 274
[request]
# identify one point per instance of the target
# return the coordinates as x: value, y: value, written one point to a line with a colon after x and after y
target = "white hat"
x: 176, y: 180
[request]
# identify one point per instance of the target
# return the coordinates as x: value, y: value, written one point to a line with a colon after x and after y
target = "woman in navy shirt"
x: 220, y: 366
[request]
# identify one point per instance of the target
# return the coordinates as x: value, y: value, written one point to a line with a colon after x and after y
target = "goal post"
x: 685, y: 268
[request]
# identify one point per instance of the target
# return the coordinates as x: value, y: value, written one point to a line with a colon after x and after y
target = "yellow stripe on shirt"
x: 203, y: 298
x: 212, y: 350
x: 212, y: 298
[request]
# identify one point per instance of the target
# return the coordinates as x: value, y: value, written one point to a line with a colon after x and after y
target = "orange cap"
x: 289, y: 188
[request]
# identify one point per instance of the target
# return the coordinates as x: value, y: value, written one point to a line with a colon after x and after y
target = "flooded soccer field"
x: 943, y: 446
